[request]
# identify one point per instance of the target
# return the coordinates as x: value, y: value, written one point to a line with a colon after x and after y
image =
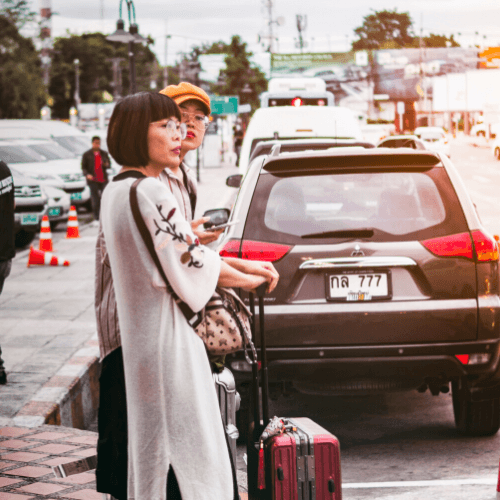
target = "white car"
x: 58, y: 205
x: 496, y: 147
x: 48, y: 163
x: 436, y: 141
x: 419, y: 130
x: 480, y: 129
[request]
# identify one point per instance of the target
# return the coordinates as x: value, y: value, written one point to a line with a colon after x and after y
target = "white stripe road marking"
x: 490, y: 480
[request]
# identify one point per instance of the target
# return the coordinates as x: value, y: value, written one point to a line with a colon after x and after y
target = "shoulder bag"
x: 224, y: 323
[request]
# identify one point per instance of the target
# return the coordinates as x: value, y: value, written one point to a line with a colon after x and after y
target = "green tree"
x: 383, y: 30
x: 439, y: 41
x: 22, y: 93
x: 17, y: 11
x: 94, y: 53
x: 240, y: 77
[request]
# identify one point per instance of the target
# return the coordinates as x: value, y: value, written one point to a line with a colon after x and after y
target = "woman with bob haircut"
x: 176, y: 442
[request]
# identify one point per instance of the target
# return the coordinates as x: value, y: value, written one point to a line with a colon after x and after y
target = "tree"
x: 384, y: 29
x: 22, y: 93
x: 17, y: 11
x: 439, y: 41
x: 96, y: 74
x: 240, y: 77
x: 390, y: 29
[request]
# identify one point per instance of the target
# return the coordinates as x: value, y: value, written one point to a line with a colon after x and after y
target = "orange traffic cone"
x: 41, y: 258
x: 72, y: 231
x: 45, y: 235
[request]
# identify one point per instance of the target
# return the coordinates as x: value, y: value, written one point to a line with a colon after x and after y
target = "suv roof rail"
x: 349, y: 158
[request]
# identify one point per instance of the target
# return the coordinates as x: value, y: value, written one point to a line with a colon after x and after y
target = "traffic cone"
x: 72, y: 231
x: 42, y: 258
x: 45, y: 235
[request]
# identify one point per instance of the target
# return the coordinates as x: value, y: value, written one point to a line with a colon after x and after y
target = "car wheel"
x: 53, y: 224
x: 474, y: 418
x: 497, y: 153
x: 24, y: 238
x: 88, y: 206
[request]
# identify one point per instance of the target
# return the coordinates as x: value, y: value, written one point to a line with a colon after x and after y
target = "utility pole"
x: 117, y: 77
x: 301, y: 27
x: 270, y: 23
x: 102, y: 16
x: 165, y: 68
x: 46, y: 37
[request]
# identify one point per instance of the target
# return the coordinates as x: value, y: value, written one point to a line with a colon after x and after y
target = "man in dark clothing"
x: 7, y: 249
x: 95, y: 161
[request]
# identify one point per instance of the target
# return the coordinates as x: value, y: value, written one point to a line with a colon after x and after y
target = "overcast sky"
x: 330, y: 23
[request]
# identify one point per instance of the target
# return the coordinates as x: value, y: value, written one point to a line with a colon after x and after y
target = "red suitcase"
x: 301, y: 464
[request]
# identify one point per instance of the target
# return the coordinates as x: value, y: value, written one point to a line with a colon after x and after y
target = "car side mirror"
x: 234, y: 180
x: 217, y: 216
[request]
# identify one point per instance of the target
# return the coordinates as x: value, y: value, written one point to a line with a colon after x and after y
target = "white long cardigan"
x: 173, y: 414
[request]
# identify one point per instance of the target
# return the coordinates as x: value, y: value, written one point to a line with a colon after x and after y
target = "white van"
x: 289, y: 122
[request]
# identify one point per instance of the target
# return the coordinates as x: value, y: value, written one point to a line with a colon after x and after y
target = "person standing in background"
x: 95, y: 161
x: 7, y: 248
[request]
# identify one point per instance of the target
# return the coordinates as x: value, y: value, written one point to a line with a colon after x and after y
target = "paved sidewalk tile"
x: 29, y: 475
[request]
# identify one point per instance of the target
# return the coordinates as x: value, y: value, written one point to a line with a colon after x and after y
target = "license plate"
x: 54, y: 211
x: 29, y: 219
x: 76, y: 196
x: 358, y: 287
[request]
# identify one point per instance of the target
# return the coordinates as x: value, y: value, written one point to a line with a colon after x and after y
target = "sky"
x: 330, y: 23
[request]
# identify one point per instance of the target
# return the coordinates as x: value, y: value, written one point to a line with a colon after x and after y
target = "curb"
x: 71, y: 397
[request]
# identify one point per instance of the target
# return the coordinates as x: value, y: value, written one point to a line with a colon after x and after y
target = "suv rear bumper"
x: 370, y: 368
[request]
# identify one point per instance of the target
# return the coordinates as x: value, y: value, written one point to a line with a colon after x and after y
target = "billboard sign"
x: 404, y: 74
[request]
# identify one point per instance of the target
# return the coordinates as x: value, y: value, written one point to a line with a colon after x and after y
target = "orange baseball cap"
x: 187, y: 91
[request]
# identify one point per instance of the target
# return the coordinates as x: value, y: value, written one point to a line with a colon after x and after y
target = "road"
x: 410, y: 437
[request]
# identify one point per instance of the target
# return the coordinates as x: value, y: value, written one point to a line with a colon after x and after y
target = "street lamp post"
x: 76, y: 62
x: 130, y: 37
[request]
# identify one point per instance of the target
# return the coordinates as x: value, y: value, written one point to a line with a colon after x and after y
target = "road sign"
x: 401, y: 107
x: 224, y: 105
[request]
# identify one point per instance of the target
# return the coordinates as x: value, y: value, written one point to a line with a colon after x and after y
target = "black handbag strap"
x: 194, y: 319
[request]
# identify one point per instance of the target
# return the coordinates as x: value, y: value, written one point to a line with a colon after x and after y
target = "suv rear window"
x: 395, y: 205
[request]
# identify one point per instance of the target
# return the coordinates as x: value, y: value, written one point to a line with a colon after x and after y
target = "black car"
x: 388, y: 280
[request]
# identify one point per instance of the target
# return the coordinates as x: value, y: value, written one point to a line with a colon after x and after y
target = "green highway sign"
x: 224, y: 104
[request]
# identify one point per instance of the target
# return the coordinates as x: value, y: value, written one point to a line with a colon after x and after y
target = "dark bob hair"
x: 129, y: 124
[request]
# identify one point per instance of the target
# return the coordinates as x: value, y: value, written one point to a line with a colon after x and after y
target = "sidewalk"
x: 49, y: 343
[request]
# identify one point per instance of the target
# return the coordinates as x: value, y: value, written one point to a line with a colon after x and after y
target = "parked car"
x: 388, y: 281
x: 302, y: 122
x: 481, y: 129
x: 31, y: 206
x: 59, y: 204
x: 496, y: 147
x: 402, y: 141
x: 48, y: 163
x: 436, y: 141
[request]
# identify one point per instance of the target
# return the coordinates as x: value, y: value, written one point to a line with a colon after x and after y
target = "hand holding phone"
x: 222, y: 226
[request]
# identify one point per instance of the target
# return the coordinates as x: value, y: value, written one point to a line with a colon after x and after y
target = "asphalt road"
x: 404, y: 445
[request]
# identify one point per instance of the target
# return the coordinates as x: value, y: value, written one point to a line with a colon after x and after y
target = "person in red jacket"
x: 95, y: 161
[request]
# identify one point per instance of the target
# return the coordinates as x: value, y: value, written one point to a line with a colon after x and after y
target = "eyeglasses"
x: 174, y: 128
x: 200, y: 121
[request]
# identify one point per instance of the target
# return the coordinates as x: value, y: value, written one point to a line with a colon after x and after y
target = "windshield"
x: 380, y: 206
x: 76, y: 144
x: 52, y: 151
x: 20, y: 154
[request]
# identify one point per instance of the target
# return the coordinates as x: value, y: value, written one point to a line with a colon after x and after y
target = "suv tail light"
x: 255, y: 250
x: 456, y: 245
x: 486, y: 247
